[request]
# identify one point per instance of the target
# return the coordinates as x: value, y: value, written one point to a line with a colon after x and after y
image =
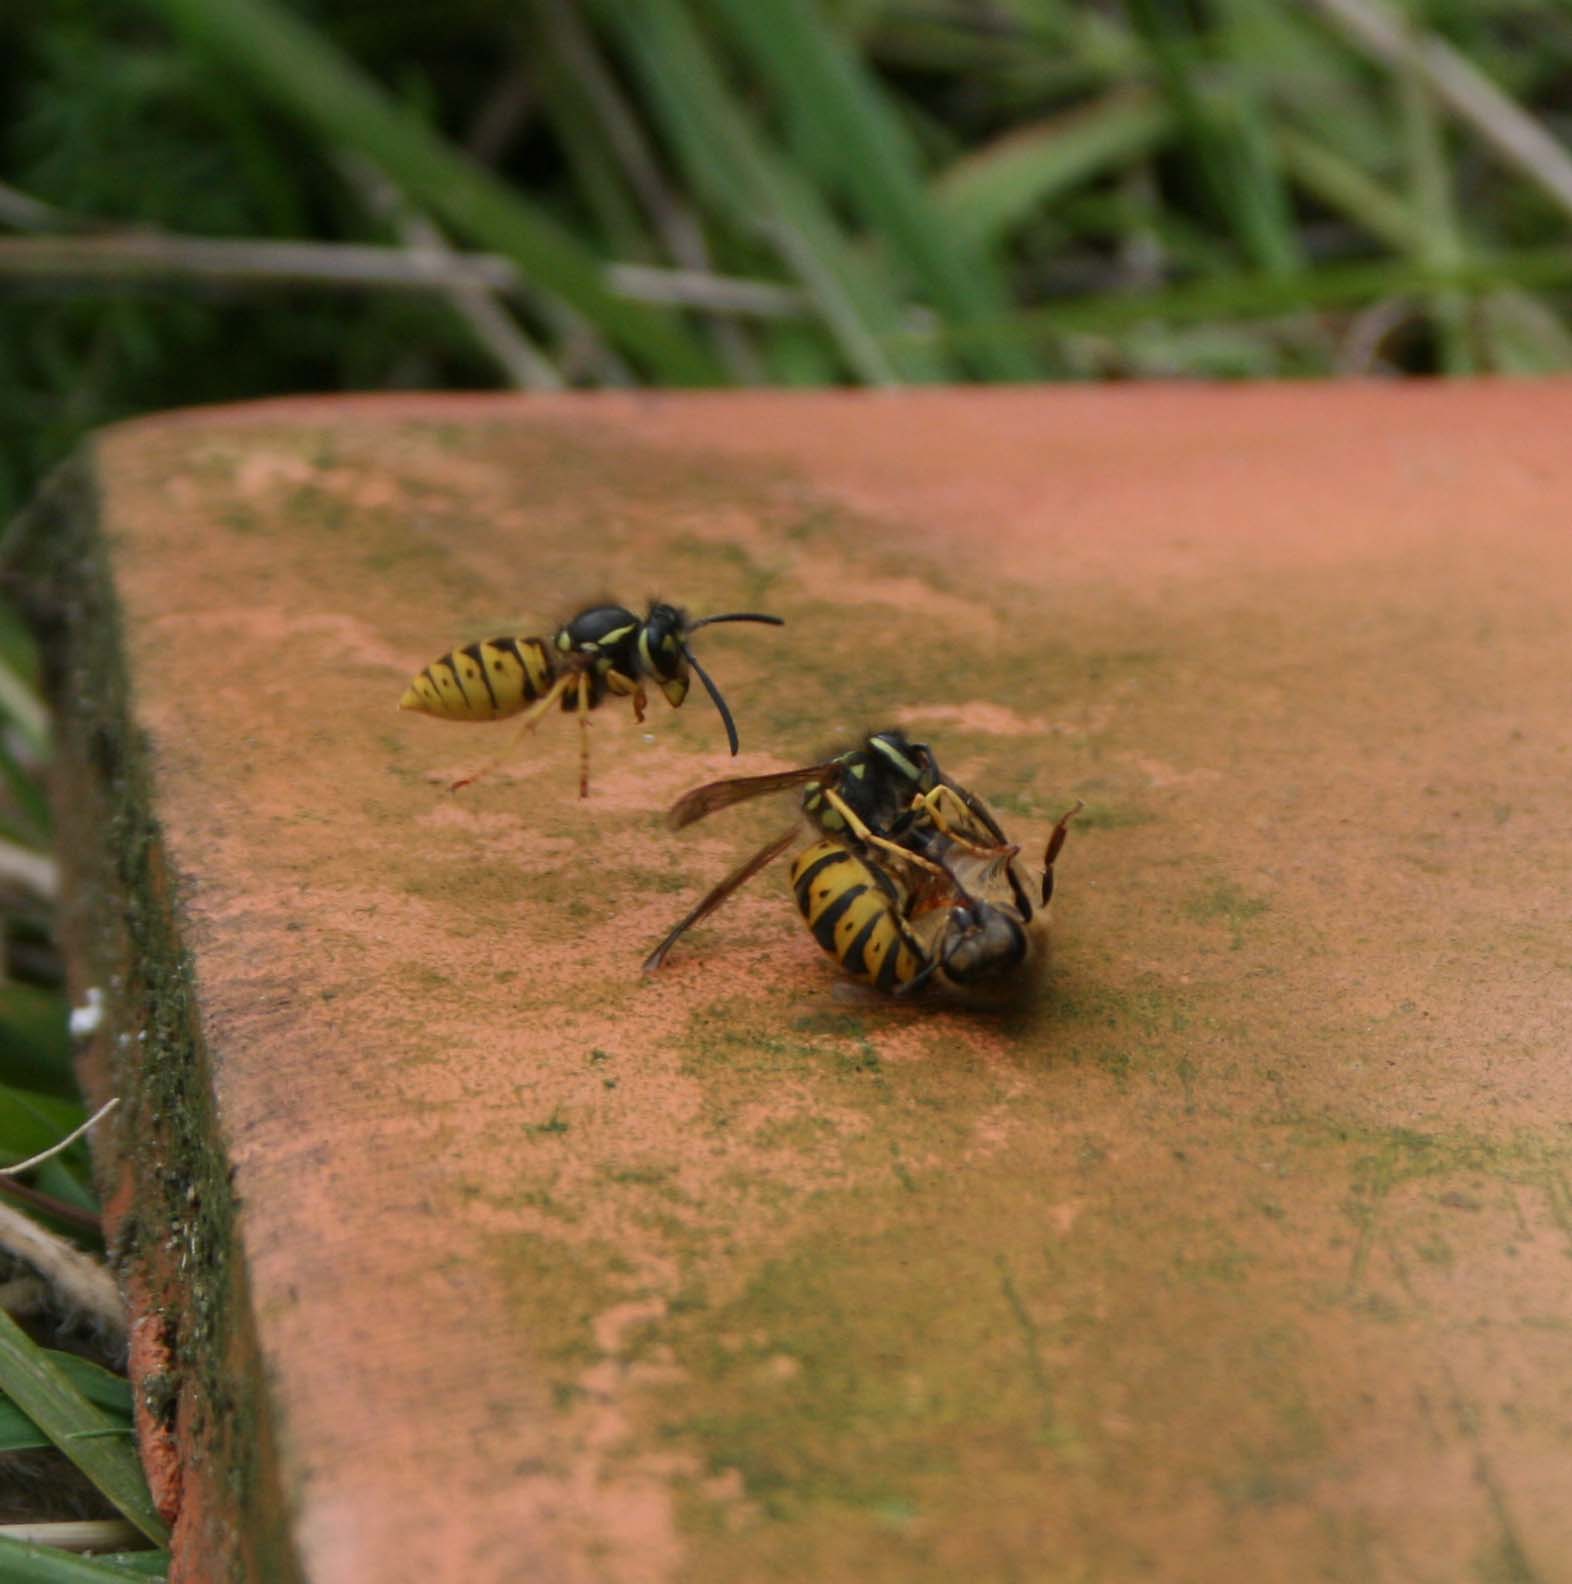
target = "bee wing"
x: 708, y: 799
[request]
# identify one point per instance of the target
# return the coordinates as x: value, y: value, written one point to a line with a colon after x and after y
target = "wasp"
x: 604, y: 651
x: 911, y: 872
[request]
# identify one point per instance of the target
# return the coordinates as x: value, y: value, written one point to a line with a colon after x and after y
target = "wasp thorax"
x: 605, y: 630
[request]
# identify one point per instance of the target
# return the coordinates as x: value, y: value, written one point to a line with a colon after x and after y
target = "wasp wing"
x: 739, y: 876
x: 709, y: 799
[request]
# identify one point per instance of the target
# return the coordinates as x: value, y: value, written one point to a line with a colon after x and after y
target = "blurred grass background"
x: 215, y: 199
x: 206, y: 200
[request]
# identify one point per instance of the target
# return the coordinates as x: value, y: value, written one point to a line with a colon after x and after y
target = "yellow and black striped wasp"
x: 605, y: 650
x: 911, y: 878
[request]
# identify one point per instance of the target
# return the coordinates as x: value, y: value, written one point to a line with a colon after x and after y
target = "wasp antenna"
x: 720, y: 703
x: 753, y: 616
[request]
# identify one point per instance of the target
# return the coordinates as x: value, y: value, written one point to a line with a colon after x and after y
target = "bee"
x: 604, y: 651
x: 911, y: 872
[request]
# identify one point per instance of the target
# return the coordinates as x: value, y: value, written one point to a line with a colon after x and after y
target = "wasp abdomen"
x: 482, y: 681
x: 851, y: 909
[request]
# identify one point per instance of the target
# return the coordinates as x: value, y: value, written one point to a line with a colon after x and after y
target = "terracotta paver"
x: 464, y: 1252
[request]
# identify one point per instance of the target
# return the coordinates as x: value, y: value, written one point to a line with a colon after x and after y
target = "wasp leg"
x: 930, y: 803
x: 738, y: 877
x: 585, y: 685
x: 531, y: 719
x: 858, y: 829
x: 1055, y: 842
x: 625, y: 687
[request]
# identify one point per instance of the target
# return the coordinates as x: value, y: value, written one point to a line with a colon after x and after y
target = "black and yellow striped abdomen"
x: 853, y: 911
x: 483, y: 681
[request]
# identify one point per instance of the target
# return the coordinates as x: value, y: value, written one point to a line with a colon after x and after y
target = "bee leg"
x: 858, y: 829
x: 532, y: 718
x: 1055, y: 842
x: 929, y: 960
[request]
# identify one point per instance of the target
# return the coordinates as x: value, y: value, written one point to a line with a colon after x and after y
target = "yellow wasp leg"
x: 863, y: 834
x: 929, y: 803
x: 584, y: 709
x: 626, y: 687
x: 531, y: 719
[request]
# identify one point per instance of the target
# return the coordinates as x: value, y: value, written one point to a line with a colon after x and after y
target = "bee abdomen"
x: 482, y: 681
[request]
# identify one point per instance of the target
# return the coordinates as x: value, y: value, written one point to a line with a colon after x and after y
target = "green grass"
x: 1227, y: 188
x: 50, y: 1398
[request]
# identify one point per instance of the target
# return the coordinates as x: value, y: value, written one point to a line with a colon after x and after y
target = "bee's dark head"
x: 983, y: 942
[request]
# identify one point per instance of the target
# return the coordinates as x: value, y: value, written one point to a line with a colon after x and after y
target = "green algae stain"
x: 557, y: 1289
x: 832, y: 1381
x: 1226, y: 902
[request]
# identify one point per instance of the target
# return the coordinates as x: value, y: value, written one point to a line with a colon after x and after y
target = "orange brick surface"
x: 1240, y: 1251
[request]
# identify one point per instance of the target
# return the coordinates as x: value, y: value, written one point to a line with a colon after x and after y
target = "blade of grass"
x: 1515, y: 135
x: 1225, y: 133
x: 54, y: 1210
x: 1524, y: 335
x: 32, y: 1123
x: 855, y: 138
x: 141, y: 257
x: 1340, y: 184
x: 567, y: 100
x: 496, y: 332
x: 732, y: 167
x: 308, y: 76
x: 111, y: 1392
x: 21, y: 1563
x: 1262, y: 296
x: 1440, y: 244
x: 990, y: 192
x: 89, y: 1535
x: 592, y: 114
x: 41, y: 1389
x: 37, y: 1047
x: 1311, y: 77
x: 18, y: 1433
x: 27, y: 794
x: 20, y: 705
x: 1256, y: 158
